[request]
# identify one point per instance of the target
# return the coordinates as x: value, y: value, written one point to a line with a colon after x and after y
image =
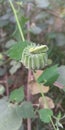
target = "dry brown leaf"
x: 38, y: 73
x: 59, y: 85
x: 49, y: 102
x: 36, y: 88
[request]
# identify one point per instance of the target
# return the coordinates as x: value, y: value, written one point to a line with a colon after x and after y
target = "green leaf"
x: 10, y: 43
x: 17, y: 95
x: 3, y: 23
x: 27, y: 1
x: 45, y: 115
x: 9, y: 118
x: 26, y: 110
x: 15, y: 52
x: 15, y: 66
x: 2, y: 89
x: 2, y: 71
x: 42, y: 3
x: 41, y: 15
x: 35, y: 30
x: 49, y: 76
x: 51, y: 35
x: 1, y: 1
x: 4, y: 20
x: 23, y: 20
x: 60, y: 39
x: 14, y: 69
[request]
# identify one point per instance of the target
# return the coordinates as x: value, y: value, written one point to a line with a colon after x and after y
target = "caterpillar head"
x: 38, y: 49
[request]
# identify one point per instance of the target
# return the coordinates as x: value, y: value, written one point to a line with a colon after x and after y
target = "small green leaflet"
x: 45, y: 115
x: 15, y: 52
x: 49, y: 76
x: 17, y: 95
x: 26, y: 110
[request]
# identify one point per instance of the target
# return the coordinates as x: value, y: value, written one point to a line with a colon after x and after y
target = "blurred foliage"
x: 42, y: 22
x: 47, y: 22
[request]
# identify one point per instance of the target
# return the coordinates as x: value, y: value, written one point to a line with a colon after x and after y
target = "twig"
x: 28, y: 99
x: 28, y: 88
x: 28, y: 124
x: 29, y: 71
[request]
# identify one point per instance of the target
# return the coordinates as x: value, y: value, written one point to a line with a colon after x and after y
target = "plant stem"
x: 29, y: 71
x: 52, y: 124
x: 28, y: 23
x: 43, y: 96
x: 28, y: 124
x: 19, y: 26
x: 28, y: 89
x: 28, y: 99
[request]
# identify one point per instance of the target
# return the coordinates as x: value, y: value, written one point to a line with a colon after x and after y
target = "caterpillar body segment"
x: 41, y: 61
x: 34, y: 57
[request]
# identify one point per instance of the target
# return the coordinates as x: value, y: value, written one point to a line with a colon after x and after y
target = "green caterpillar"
x: 35, y: 56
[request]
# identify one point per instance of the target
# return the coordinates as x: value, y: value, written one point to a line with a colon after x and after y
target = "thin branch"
x: 28, y: 87
x: 28, y: 23
x: 28, y: 124
x: 28, y: 99
x: 19, y: 26
x: 29, y: 71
